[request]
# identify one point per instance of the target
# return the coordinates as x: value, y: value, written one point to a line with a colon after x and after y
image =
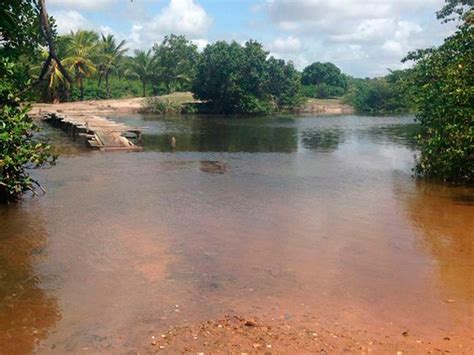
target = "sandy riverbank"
x: 93, y: 107
x: 134, y: 105
x: 327, y: 107
x: 238, y: 335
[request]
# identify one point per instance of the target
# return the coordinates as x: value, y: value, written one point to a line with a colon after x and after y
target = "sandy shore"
x: 134, y: 105
x: 327, y: 107
x: 238, y: 335
x: 93, y: 107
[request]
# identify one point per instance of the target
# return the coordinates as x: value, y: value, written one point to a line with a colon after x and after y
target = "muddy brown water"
x: 304, y: 216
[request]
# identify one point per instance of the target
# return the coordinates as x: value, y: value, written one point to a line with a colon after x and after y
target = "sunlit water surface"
x: 281, y: 216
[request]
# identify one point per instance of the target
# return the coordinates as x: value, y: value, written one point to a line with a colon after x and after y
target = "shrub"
x: 322, y: 91
x: 443, y: 90
x: 162, y: 106
x: 119, y: 88
x: 380, y: 95
x: 19, y: 149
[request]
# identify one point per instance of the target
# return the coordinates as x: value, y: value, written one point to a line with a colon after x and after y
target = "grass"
x: 337, y: 101
x: 179, y: 97
x: 175, y: 103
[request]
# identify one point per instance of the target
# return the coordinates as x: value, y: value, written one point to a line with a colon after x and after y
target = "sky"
x: 363, y: 37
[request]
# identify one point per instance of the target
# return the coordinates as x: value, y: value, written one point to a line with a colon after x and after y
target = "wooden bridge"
x: 99, y: 132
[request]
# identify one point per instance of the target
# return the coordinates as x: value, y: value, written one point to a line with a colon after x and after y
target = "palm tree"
x: 142, y: 66
x: 109, y: 56
x: 54, y: 79
x: 56, y: 82
x: 81, y: 52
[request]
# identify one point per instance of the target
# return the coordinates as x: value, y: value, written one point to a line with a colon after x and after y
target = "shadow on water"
x: 326, y: 140
x: 443, y: 217
x: 63, y: 144
x: 27, y: 311
x: 281, y: 134
x: 221, y: 135
x: 401, y: 134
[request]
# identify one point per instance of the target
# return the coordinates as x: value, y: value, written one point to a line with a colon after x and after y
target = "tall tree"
x: 82, y: 47
x: 442, y: 87
x: 326, y: 78
x: 284, y: 84
x: 142, y: 66
x: 110, y: 54
x: 20, y: 35
x: 55, y: 84
x: 240, y: 79
x: 176, y: 60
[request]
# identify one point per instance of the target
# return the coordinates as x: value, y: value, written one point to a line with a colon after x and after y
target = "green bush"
x: 323, y: 81
x: 443, y: 89
x: 322, y: 91
x: 19, y: 149
x: 380, y: 95
x: 161, y: 106
x: 119, y: 88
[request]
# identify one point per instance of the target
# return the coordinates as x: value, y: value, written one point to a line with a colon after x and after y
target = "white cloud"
x: 82, y: 4
x: 201, y: 43
x: 366, y: 30
x: 285, y: 45
x: 393, y: 47
x: 184, y: 17
x: 363, y: 37
x: 306, y: 14
x: 405, y: 29
x: 68, y: 21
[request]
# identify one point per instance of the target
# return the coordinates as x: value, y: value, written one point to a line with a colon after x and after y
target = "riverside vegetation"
x: 37, y: 64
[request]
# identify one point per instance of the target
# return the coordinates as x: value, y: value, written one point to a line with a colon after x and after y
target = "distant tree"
x: 384, y: 95
x: 142, y: 66
x: 442, y: 87
x: 110, y: 54
x: 284, y: 84
x: 326, y: 79
x: 82, y: 47
x: 176, y: 59
x: 240, y: 79
x: 232, y: 78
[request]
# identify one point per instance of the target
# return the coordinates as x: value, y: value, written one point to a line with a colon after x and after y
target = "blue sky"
x: 363, y: 37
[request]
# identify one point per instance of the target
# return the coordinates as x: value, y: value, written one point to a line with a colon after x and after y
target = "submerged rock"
x: 212, y: 166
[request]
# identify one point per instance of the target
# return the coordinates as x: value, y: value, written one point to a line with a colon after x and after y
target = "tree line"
x: 229, y: 77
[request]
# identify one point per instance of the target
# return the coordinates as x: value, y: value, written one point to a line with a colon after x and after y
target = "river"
x: 282, y: 218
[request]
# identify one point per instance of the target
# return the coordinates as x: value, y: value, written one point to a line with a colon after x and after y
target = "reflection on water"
x: 325, y: 140
x: 283, y: 134
x: 28, y: 311
x: 443, y: 216
x: 216, y: 135
x: 284, y: 216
